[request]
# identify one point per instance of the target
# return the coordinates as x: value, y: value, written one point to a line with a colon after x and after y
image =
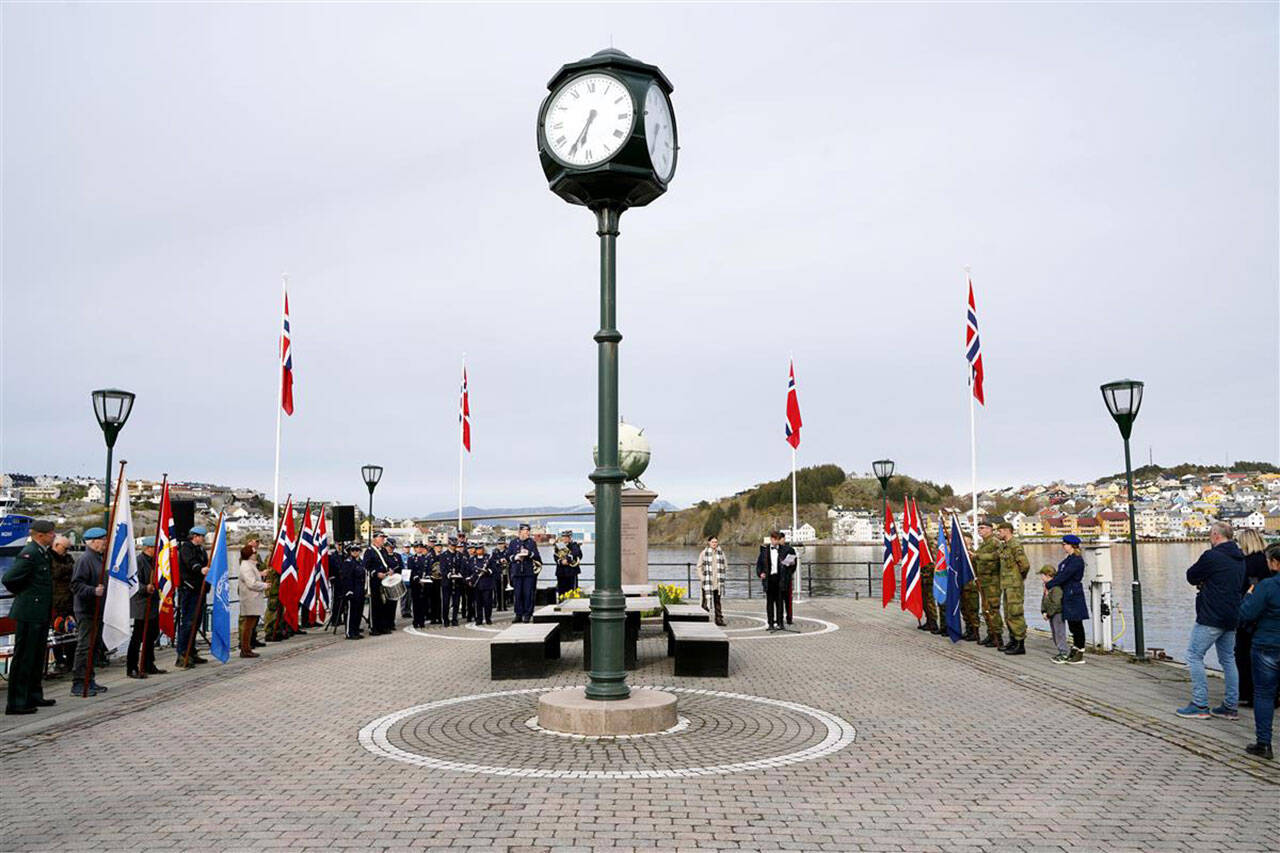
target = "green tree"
x: 713, y: 524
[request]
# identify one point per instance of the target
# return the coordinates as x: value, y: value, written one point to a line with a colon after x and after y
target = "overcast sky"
x: 1109, y: 173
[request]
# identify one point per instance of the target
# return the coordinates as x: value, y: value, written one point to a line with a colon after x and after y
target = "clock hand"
x: 582, y: 137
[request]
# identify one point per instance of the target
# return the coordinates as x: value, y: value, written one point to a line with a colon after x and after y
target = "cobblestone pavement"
x: 956, y: 748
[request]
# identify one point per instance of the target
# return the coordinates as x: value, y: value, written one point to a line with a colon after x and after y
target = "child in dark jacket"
x: 1051, y: 610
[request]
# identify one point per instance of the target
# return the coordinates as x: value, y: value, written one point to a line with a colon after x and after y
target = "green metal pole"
x: 106, y: 501
x: 608, y: 676
x: 1139, y: 650
x: 371, y: 516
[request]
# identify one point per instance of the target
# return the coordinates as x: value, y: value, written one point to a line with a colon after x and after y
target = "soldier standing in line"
x: 485, y: 581
x: 526, y: 562
x: 272, y: 624
x: 1014, y: 566
x: 986, y: 564
x: 354, y: 580
x: 926, y: 593
x: 30, y: 579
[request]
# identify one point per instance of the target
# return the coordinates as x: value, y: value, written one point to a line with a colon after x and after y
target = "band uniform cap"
x: 148, y: 541
x: 568, y: 533
x: 1004, y: 525
x: 1048, y: 570
x: 391, y: 542
x: 524, y: 527
x: 1071, y: 539
x: 94, y: 533
x: 42, y: 525
x: 198, y: 530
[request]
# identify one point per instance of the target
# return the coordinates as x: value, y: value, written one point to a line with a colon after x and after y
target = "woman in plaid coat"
x: 713, y: 567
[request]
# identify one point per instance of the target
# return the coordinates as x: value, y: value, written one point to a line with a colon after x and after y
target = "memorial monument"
x: 633, y: 458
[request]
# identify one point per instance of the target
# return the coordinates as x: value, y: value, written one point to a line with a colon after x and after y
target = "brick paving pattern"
x: 957, y: 748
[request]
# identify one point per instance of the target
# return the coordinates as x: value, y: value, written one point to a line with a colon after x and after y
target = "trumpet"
x: 565, y: 557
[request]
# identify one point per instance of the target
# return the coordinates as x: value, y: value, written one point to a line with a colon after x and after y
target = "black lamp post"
x: 111, y: 407
x: 372, y: 474
x: 883, y: 469
x: 1123, y: 399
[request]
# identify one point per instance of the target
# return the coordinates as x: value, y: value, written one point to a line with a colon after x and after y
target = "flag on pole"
x: 166, y: 564
x: 307, y: 561
x: 940, y: 563
x: 793, y: 411
x: 959, y: 573
x: 122, y: 574
x: 219, y: 580
x: 284, y: 559
x: 922, y: 533
x: 322, y: 592
x: 892, y: 556
x: 973, y: 349
x: 286, y: 363
x: 464, y: 412
x: 912, y: 601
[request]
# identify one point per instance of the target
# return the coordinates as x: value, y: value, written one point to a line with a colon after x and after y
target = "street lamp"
x: 372, y: 474
x: 883, y: 469
x: 111, y: 407
x: 1123, y: 399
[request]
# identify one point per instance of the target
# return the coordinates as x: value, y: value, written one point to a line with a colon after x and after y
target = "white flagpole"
x: 275, y: 489
x: 462, y: 425
x: 973, y: 440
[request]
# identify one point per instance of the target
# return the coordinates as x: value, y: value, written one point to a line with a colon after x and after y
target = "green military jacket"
x: 30, y: 579
x: 987, y: 557
x: 1014, y: 558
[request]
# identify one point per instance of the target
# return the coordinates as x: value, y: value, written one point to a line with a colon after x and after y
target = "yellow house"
x: 1114, y: 523
x: 1031, y: 526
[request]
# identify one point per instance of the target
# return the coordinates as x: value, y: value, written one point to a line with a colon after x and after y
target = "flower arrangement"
x: 669, y: 593
x: 573, y: 593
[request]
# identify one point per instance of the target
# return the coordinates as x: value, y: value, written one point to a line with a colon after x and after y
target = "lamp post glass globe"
x: 111, y: 407
x: 1123, y: 399
x: 883, y: 469
x: 372, y: 474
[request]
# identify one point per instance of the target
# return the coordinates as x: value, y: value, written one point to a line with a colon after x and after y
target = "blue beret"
x: 1071, y: 539
x: 198, y: 530
x: 94, y: 533
x: 148, y: 541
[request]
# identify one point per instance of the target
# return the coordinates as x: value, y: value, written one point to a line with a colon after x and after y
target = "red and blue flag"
x: 793, y: 411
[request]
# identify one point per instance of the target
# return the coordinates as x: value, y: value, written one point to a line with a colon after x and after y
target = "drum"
x: 393, y: 587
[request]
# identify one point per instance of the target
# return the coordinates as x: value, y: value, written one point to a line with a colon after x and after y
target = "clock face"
x: 588, y: 120
x: 660, y: 132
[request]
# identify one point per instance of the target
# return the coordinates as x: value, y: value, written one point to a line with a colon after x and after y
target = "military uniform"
x: 1014, y: 566
x: 568, y: 566
x: 354, y: 579
x: 485, y: 577
x: 456, y: 580
x: 525, y: 563
x: 986, y: 562
x: 30, y: 579
x: 926, y: 595
x: 380, y: 620
x: 273, y: 627
x: 969, y: 609
x: 417, y: 567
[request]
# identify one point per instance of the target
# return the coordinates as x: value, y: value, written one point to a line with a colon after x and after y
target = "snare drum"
x: 393, y: 587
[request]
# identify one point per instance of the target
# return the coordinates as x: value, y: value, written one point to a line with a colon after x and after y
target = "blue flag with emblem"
x: 220, y: 591
x: 959, y: 573
x: 940, y: 563
x: 122, y: 573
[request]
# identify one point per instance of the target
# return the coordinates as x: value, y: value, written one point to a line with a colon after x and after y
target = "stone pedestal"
x: 635, y: 533
x: 644, y: 712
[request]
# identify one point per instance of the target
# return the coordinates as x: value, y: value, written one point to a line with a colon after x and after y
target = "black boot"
x: 1262, y: 750
x: 1016, y: 647
x: 1006, y: 646
x: 971, y: 635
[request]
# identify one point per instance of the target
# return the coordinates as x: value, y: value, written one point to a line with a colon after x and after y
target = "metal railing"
x: 842, y: 578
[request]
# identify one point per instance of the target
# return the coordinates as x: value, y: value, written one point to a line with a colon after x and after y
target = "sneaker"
x: 1076, y: 658
x: 1061, y: 657
x: 1262, y: 750
x: 1193, y: 712
x: 1225, y: 713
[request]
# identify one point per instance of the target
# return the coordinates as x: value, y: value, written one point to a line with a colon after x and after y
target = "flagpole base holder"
x: 645, y: 711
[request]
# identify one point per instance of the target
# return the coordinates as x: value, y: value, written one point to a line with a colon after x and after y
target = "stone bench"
x: 552, y: 613
x: 522, y: 651
x: 700, y: 649
x: 682, y: 613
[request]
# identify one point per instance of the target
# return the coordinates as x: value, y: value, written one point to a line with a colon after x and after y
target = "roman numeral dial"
x: 588, y: 120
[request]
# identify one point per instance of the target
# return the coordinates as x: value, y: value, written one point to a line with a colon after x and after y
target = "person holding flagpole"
x: 86, y: 588
x: 144, y: 607
x: 193, y: 566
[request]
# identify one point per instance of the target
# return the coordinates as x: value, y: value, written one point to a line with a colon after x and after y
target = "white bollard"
x: 1099, y: 557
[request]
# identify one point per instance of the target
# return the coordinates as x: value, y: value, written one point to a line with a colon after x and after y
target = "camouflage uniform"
x: 926, y: 593
x: 987, y: 566
x: 1014, y: 566
x: 273, y: 627
x: 969, y: 609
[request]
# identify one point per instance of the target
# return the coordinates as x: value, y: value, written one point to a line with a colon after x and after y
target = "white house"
x: 804, y: 533
x: 94, y: 494
x: 854, y: 527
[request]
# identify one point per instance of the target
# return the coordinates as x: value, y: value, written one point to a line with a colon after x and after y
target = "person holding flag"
x: 940, y: 575
x: 987, y: 564
x: 193, y: 566
x: 959, y: 573
x: 86, y: 588
x: 144, y: 607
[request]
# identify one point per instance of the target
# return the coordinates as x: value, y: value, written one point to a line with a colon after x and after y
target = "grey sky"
x: 1110, y: 173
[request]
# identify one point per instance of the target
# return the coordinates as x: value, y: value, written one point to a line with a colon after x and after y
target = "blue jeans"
x: 187, y: 601
x: 1202, y: 638
x: 1266, y: 674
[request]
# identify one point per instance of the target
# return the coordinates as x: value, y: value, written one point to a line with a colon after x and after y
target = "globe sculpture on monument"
x: 633, y: 458
x: 607, y: 141
x: 633, y: 453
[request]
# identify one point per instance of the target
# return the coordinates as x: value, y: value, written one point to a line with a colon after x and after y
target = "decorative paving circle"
x: 682, y: 723
x: 725, y: 733
x: 812, y: 627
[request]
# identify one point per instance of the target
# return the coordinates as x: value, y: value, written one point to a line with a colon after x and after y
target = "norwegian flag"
x: 793, y: 410
x: 892, y: 556
x: 286, y: 363
x: 322, y: 592
x: 166, y: 563
x: 464, y: 412
x: 912, y: 598
x: 284, y: 559
x: 307, y: 561
x: 926, y: 557
x: 973, y: 349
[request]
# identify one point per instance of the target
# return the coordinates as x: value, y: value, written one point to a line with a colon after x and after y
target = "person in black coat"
x: 1075, y: 610
x: 354, y: 581
x: 144, y: 610
x: 1255, y: 569
x: 484, y: 579
x: 193, y: 565
x: 1219, y: 578
x: 525, y: 564
x: 378, y: 567
x: 775, y: 566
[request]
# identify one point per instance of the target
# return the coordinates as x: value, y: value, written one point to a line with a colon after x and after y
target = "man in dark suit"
x: 775, y: 566
x: 30, y: 580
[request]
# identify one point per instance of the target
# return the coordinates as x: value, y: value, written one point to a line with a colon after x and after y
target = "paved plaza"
x: 859, y: 733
